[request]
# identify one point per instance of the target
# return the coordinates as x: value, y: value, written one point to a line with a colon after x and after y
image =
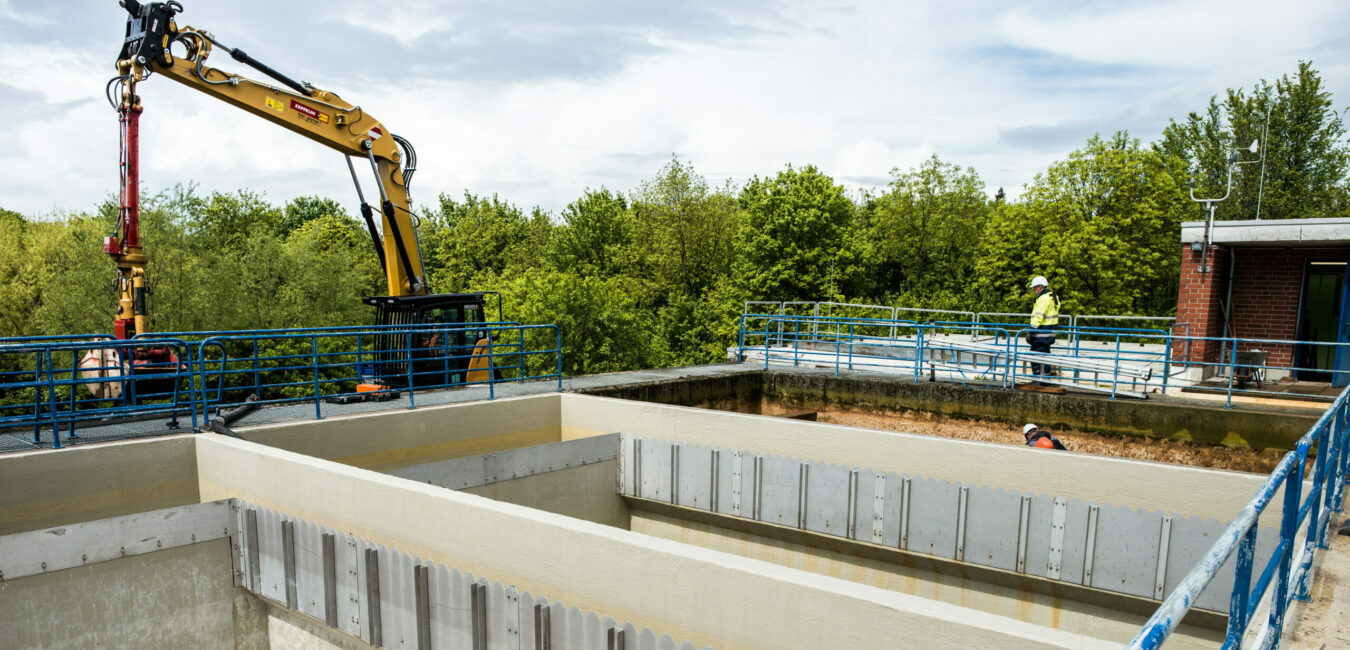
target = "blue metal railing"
x: 50, y: 375
x: 1289, y: 569
x: 55, y: 383
x: 1116, y: 361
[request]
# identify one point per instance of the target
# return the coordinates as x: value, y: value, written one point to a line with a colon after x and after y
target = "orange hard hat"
x: 1045, y: 443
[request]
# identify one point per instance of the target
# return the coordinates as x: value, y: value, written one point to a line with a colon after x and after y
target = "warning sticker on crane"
x: 275, y: 105
x: 309, y: 111
x: 375, y: 133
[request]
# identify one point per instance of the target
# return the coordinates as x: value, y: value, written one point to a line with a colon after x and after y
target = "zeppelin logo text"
x: 309, y: 112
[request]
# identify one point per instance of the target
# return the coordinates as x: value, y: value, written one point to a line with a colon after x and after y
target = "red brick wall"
x: 1267, y: 287
x: 1198, y: 299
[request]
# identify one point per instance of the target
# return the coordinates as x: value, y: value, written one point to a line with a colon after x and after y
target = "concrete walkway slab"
x: 1324, y: 622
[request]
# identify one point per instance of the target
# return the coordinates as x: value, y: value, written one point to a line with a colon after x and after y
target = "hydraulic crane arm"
x: 320, y: 115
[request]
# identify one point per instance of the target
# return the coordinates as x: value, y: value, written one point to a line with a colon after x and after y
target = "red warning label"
x: 309, y: 111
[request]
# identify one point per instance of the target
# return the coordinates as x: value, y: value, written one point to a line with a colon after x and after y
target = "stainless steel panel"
x: 932, y: 517
x: 993, y: 525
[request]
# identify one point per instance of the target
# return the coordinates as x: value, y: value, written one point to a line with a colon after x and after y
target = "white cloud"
x: 856, y: 92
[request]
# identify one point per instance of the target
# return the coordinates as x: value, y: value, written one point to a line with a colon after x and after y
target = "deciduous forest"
x: 656, y: 275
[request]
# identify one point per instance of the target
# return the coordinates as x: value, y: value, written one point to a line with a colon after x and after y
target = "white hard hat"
x: 1039, y: 281
x: 1029, y: 428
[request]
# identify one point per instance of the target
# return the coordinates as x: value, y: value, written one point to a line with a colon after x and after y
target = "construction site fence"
x: 1120, y: 362
x: 51, y: 386
x: 1285, y: 577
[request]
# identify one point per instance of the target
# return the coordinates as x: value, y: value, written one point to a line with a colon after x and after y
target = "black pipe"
x: 413, y: 281
x: 235, y: 414
x: 222, y: 423
x: 242, y: 57
x: 368, y: 213
x: 219, y: 427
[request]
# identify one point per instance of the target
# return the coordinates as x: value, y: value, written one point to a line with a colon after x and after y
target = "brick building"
x: 1275, y: 280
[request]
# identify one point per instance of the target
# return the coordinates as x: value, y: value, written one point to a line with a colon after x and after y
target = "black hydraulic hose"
x: 222, y: 424
x: 235, y: 414
x: 242, y: 57
x: 219, y: 427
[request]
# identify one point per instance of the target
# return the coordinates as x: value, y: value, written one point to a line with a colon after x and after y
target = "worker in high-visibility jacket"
x: 1044, y: 321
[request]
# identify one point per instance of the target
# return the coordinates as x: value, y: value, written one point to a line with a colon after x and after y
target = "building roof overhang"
x: 1321, y: 233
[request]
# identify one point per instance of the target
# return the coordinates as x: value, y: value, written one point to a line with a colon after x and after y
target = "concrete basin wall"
x: 48, y: 488
x: 1158, y: 486
x: 391, y: 439
x: 175, y: 598
x: 1202, y: 421
x: 708, y: 597
x: 1062, y: 607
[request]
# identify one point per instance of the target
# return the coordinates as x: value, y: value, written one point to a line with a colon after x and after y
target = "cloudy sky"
x: 537, y: 101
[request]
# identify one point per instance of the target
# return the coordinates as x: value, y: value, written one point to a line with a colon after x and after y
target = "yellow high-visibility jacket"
x: 1046, y: 311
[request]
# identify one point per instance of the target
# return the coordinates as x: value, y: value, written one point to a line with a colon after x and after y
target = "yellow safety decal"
x: 275, y: 105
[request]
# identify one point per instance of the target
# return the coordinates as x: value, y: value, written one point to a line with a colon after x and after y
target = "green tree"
x: 1303, y: 156
x: 919, y: 233
x: 685, y: 231
x: 303, y: 209
x: 468, y: 243
x: 229, y: 219
x: 74, y: 295
x: 19, y: 268
x: 603, y: 328
x: 792, y: 234
x: 1102, y: 225
x: 596, y: 235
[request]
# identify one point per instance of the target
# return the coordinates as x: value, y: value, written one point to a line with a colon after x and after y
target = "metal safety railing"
x: 1129, y: 362
x: 61, y: 382
x: 56, y: 384
x: 1303, y: 531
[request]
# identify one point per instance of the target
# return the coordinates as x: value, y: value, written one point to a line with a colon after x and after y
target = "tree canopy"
x: 657, y: 275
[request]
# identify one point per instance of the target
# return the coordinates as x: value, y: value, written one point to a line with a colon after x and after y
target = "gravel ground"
x: 1167, y: 451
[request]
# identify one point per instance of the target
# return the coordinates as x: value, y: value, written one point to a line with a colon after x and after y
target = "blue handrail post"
x: 74, y: 368
x: 1312, y: 540
x: 740, y: 339
x: 796, y: 340
x: 766, y: 346
x: 1167, y: 361
x: 257, y: 380
x: 918, y: 352
x: 557, y: 332
x: 1232, y: 370
x: 1344, y: 453
x: 1242, y: 588
x: 1332, y: 440
x: 491, y: 376
x: 1115, y: 370
x: 192, y: 393
x: 314, y: 358
x: 1293, y: 486
x: 51, y: 398
x: 37, y: 398
x: 836, y: 348
x: 850, y: 346
x: 407, y: 350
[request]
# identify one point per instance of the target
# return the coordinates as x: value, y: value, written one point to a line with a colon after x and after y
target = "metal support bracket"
x: 1023, y: 524
x: 1055, y: 560
x: 1164, y: 536
x: 1091, y: 545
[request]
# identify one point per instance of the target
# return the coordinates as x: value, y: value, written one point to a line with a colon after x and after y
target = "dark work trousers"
x: 1040, y: 340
